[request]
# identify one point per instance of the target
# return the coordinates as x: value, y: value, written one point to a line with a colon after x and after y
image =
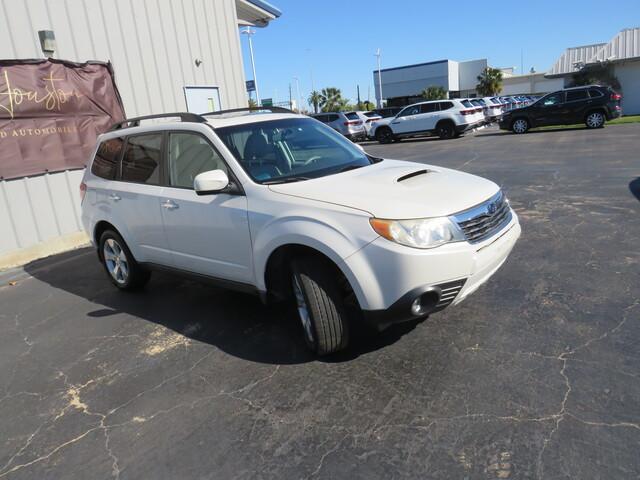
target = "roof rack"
x: 135, y: 121
x: 250, y: 109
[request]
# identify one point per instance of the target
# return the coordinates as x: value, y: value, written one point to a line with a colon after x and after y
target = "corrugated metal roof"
x: 625, y: 45
x: 571, y: 56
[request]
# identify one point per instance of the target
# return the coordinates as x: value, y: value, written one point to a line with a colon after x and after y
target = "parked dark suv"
x: 593, y: 105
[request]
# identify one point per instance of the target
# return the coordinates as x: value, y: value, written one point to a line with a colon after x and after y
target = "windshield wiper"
x: 285, y: 180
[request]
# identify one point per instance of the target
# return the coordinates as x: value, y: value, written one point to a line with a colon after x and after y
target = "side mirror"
x: 213, y: 181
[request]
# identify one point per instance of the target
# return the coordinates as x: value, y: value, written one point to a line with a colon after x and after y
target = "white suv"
x: 445, y: 118
x: 280, y: 205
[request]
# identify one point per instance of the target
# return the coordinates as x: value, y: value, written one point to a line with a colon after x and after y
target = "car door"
x: 405, y: 120
x: 429, y: 113
x: 576, y: 103
x: 207, y: 234
x: 135, y: 198
x: 551, y: 110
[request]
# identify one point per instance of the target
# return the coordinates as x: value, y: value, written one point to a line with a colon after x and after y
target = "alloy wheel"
x: 303, y: 309
x: 116, y: 261
x: 595, y: 120
x: 520, y: 126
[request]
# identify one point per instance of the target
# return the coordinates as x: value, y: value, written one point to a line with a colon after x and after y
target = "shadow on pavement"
x: 239, y: 324
x: 505, y: 132
x: 634, y: 187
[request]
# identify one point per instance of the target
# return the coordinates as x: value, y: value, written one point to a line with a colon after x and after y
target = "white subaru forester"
x: 281, y: 205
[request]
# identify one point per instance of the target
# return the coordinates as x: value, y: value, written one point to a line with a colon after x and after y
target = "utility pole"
x: 377, y: 54
x: 298, y: 92
x: 358, y: 87
x: 250, y: 33
x: 290, y: 100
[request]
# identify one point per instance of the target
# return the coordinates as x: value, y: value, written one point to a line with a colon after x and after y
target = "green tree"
x: 314, y: 100
x: 434, y: 92
x: 596, y: 75
x: 489, y: 82
x: 331, y: 100
x: 252, y: 103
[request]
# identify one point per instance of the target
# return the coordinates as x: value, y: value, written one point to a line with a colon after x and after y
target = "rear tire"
x: 122, y: 269
x: 320, y: 305
x: 446, y: 130
x: 520, y: 125
x: 384, y: 135
x: 595, y: 120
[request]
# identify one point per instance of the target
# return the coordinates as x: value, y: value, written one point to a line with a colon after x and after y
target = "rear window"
x: 141, y: 159
x: 105, y: 163
x: 371, y: 114
x: 574, y: 95
x: 466, y: 103
x: 352, y: 116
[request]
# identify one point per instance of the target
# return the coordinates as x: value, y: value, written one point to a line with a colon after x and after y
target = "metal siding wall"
x: 152, y: 44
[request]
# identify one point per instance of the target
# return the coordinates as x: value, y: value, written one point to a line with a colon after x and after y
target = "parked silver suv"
x: 348, y: 124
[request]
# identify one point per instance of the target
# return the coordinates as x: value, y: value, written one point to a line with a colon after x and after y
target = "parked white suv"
x: 283, y: 206
x: 445, y: 118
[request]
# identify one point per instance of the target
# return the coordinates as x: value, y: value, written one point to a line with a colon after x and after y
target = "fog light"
x: 416, y: 306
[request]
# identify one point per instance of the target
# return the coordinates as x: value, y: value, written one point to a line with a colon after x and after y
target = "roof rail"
x: 250, y: 109
x: 135, y: 121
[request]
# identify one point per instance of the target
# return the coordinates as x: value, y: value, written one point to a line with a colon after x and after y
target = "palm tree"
x: 331, y: 100
x: 489, y: 82
x: 252, y: 103
x: 315, y: 98
x: 434, y: 92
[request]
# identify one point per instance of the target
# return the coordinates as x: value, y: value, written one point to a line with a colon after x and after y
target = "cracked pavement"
x: 536, y: 375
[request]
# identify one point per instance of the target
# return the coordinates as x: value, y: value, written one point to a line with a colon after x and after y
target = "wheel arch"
x: 103, y: 225
x: 591, y: 110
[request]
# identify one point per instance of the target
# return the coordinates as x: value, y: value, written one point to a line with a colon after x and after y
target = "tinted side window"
x: 574, y: 95
x: 105, y: 164
x: 333, y: 118
x: 446, y: 105
x: 141, y: 160
x: 428, y: 107
x: 553, y: 99
x: 595, y: 93
x: 189, y: 155
x: 412, y: 110
x: 321, y: 118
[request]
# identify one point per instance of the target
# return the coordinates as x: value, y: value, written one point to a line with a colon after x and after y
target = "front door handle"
x: 169, y: 205
x: 114, y: 197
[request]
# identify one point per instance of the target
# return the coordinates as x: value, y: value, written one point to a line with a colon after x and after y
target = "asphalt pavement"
x: 536, y: 375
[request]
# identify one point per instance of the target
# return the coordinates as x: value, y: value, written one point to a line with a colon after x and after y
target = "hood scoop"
x: 413, y: 175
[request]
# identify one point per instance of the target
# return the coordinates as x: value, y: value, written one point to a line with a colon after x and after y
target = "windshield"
x: 291, y: 149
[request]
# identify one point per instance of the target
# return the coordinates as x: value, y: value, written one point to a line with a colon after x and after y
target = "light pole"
x: 377, y: 54
x: 298, y: 92
x: 250, y: 33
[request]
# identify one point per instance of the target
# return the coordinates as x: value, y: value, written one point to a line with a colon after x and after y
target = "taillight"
x: 83, y: 191
x: 616, y: 96
x: 353, y: 122
x: 467, y: 112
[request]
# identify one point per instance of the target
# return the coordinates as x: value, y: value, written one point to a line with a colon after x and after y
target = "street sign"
x: 251, y: 85
x: 267, y: 102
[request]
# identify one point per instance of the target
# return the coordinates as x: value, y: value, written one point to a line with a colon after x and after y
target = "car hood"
x: 396, y: 190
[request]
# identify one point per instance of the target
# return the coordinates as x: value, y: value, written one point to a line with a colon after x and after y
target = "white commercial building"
x: 171, y: 55
x: 621, y: 55
x: 403, y: 85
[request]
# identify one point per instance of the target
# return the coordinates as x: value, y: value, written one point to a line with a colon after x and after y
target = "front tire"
x: 320, y: 305
x: 520, y: 125
x: 122, y: 269
x: 595, y: 120
x: 384, y: 135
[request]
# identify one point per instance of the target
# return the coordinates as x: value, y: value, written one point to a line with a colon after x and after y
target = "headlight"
x: 418, y: 233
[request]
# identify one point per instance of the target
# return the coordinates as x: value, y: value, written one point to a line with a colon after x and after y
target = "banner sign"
x: 51, y: 112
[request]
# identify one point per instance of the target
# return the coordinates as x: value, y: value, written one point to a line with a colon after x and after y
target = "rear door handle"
x: 114, y: 197
x: 169, y: 205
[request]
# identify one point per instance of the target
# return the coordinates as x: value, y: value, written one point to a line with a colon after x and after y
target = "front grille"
x: 448, y: 292
x: 482, y: 221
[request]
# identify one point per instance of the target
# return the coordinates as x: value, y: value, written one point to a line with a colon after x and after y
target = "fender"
x: 316, y: 233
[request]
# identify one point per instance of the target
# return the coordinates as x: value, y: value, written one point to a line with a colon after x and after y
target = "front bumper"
x: 391, y: 276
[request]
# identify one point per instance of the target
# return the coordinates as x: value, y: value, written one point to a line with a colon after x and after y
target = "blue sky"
x: 335, y: 41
